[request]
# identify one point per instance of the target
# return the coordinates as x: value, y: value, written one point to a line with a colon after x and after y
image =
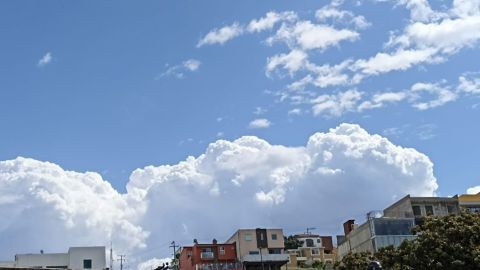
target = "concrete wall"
x: 400, y: 209
x: 360, y: 238
x: 381, y: 241
x: 279, y: 243
x: 78, y: 254
x: 52, y: 260
x: 244, y: 246
x: 7, y: 264
x: 403, y: 208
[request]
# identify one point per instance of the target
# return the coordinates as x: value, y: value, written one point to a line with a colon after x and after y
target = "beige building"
x: 470, y: 202
x: 417, y: 207
x: 315, y: 248
x: 395, y: 225
x: 260, y: 249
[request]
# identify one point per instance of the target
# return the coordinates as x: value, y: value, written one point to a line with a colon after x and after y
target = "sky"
x: 144, y: 123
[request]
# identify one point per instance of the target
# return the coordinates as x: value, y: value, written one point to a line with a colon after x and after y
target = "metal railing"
x: 207, y: 255
x: 219, y: 266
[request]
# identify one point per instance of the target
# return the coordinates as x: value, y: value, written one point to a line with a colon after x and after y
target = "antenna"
x: 310, y: 229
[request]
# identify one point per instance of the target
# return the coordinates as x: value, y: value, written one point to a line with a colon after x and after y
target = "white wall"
x: 78, y: 254
x: 71, y: 260
x: 42, y: 260
x: 7, y: 264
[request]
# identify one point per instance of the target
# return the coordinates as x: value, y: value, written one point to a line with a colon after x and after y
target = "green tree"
x: 291, y: 242
x: 448, y: 243
x: 355, y: 261
x: 443, y: 243
x: 319, y: 265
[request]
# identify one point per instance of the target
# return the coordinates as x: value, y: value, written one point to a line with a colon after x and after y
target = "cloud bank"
x: 248, y: 182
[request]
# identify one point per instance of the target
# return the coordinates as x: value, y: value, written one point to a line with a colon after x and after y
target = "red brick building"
x: 212, y: 256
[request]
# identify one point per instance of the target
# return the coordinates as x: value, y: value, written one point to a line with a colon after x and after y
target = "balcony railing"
x: 207, y: 255
x: 219, y: 266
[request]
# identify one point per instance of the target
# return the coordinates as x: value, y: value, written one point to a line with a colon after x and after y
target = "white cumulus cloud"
x: 222, y: 35
x: 473, y: 190
x: 243, y: 183
x: 259, y: 123
x: 269, y: 21
x: 307, y: 36
x: 336, y: 104
x: 47, y: 206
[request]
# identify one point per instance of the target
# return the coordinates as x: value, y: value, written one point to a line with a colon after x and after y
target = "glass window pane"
x: 87, y: 264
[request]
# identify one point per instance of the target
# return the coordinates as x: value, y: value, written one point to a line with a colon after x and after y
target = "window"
x: 451, y: 209
x: 392, y: 226
x: 309, y: 242
x: 261, y: 237
x: 429, y: 210
x: 248, y: 237
x: 253, y: 252
x: 416, y: 210
x: 315, y: 251
x: 274, y: 251
x: 318, y: 241
x: 222, y: 250
x: 274, y: 236
x: 87, y: 264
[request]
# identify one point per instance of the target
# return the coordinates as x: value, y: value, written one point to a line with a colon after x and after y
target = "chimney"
x: 348, y: 226
x: 214, y: 241
x: 195, y: 241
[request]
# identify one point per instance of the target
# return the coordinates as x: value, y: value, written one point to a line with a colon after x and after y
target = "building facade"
x: 375, y: 234
x: 418, y: 207
x: 315, y: 248
x: 211, y: 256
x: 395, y: 225
x: 260, y: 249
x: 470, y: 202
x: 77, y: 258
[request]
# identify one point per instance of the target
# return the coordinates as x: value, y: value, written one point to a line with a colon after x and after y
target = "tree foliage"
x: 443, y: 243
x: 291, y: 242
x: 355, y: 261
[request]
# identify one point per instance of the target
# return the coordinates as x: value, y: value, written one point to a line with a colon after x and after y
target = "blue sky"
x: 99, y: 105
x: 112, y: 86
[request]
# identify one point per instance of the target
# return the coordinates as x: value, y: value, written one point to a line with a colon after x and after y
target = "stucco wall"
x: 78, y: 254
x: 42, y: 260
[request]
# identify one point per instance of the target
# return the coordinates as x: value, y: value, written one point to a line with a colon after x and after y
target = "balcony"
x: 266, y: 258
x: 207, y: 255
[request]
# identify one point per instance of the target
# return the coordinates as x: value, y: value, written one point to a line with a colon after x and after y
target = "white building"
x: 77, y: 258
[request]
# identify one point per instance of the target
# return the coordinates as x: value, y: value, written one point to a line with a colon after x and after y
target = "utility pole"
x: 111, y: 256
x: 122, y: 259
x: 174, y: 254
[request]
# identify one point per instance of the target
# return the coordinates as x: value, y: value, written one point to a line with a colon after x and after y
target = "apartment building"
x: 374, y: 234
x: 209, y: 256
x: 395, y: 225
x: 260, y: 249
x: 77, y: 258
x: 470, y: 202
x: 315, y: 248
x: 418, y: 207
